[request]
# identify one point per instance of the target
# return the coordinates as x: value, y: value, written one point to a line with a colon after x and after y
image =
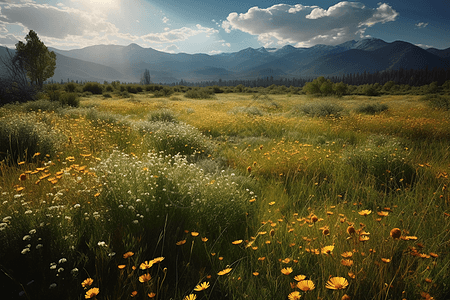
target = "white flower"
x: 77, y: 206
x: 52, y: 286
x: 39, y: 246
x: 32, y: 231
x: 102, y: 244
x: 27, y: 238
x: 62, y: 260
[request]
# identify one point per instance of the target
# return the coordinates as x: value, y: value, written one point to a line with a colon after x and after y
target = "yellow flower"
x: 190, y: 297
x: 151, y: 295
x: 294, y: 295
x: 194, y: 233
x: 237, y: 242
x: 365, y: 212
x: 383, y: 213
x: 299, y: 277
x: 157, y: 260
x: 337, y: 283
x: 144, y: 278
x: 204, y: 239
x: 181, y: 242
x: 146, y: 265
x: 224, y: 271
x: 255, y: 273
x: 306, y: 285
x: 121, y: 266
x: 327, y: 249
x: 87, y: 282
x: 92, y: 293
x: 287, y: 271
x: 386, y: 260
x: 201, y: 287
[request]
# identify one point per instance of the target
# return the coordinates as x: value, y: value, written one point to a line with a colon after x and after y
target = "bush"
x: 70, y: 87
x: 70, y: 99
x: 162, y: 115
x: 322, y: 109
x: 41, y: 105
x: 24, y: 135
x: 438, y: 101
x: 109, y: 88
x: 199, y: 93
x: 174, y: 138
x: 107, y: 95
x: 164, y: 92
x: 93, y: 87
x: 371, y: 108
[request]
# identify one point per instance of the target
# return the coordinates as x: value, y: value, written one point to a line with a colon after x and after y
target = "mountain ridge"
x: 127, y: 63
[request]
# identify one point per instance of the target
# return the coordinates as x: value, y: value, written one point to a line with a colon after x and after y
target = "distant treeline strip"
x: 409, y: 77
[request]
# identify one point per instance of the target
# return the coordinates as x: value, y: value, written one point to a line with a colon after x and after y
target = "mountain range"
x: 128, y: 63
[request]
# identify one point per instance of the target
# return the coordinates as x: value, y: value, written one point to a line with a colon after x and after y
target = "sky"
x: 212, y: 27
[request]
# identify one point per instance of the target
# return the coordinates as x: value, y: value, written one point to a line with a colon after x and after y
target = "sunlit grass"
x: 279, y: 205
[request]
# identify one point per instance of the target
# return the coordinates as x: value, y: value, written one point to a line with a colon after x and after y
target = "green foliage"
x: 174, y: 138
x: 107, y: 95
x: 199, y: 93
x: 322, y: 109
x: 109, y: 88
x: 162, y: 115
x: 22, y: 136
x: 41, y: 105
x: 70, y: 87
x: 438, y: 101
x: 164, y: 92
x: 371, y: 89
x: 93, y: 87
x: 38, y: 61
x: 371, y: 108
x: 70, y: 99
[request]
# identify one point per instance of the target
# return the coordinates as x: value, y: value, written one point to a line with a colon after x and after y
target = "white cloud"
x: 421, y: 25
x: 169, y: 49
x: 424, y: 46
x: 226, y: 44
x: 53, y: 22
x: 177, y: 35
x: 309, y: 25
x: 165, y: 20
x: 9, y: 40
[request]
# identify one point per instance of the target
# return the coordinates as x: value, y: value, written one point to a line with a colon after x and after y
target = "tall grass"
x: 139, y: 204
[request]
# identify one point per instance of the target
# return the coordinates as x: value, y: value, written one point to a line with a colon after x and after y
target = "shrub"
x: 109, y: 88
x: 70, y: 99
x: 371, y: 109
x: 162, y: 115
x: 172, y: 191
x: 93, y: 87
x: 164, y: 92
x: 322, y: 109
x: 24, y: 135
x: 107, y: 95
x: 70, y: 87
x: 438, y: 101
x: 174, y: 138
x: 41, y: 105
x: 199, y: 93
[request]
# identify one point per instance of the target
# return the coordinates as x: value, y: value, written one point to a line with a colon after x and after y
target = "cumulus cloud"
x: 165, y: 20
x: 309, y: 25
x: 177, y: 35
x: 54, y: 22
x: 421, y: 25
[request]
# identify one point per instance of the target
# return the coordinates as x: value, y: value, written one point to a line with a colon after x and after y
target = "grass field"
x: 234, y: 197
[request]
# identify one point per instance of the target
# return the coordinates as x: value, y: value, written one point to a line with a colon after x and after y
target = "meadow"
x: 238, y: 196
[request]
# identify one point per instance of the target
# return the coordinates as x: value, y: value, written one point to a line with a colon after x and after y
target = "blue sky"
x: 212, y: 27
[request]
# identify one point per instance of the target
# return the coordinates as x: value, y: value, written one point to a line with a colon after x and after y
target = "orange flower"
x: 383, y: 213
x: 23, y: 177
x: 224, y: 271
x: 347, y: 262
x: 133, y: 293
x: 351, y: 230
x: 87, y: 282
x: 193, y: 233
x: 337, y: 283
x: 299, y: 277
x: 157, y: 260
x: 146, y: 265
x: 128, y: 254
x: 396, y: 233
x: 151, y: 295
x: 121, y: 266
x: 386, y: 260
x: 92, y: 293
x: 287, y: 271
x: 204, y: 239
x: 365, y: 212
x: 294, y: 295
x: 347, y: 254
x: 144, y: 278
x: 201, y: 287
x: 306, y: 285
x: 237, y: 242
x: 255, y: 273
x: 182, y: 242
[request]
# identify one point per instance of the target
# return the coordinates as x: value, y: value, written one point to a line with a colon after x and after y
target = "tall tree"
x: 146, y: 77
x: 37, y: 60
